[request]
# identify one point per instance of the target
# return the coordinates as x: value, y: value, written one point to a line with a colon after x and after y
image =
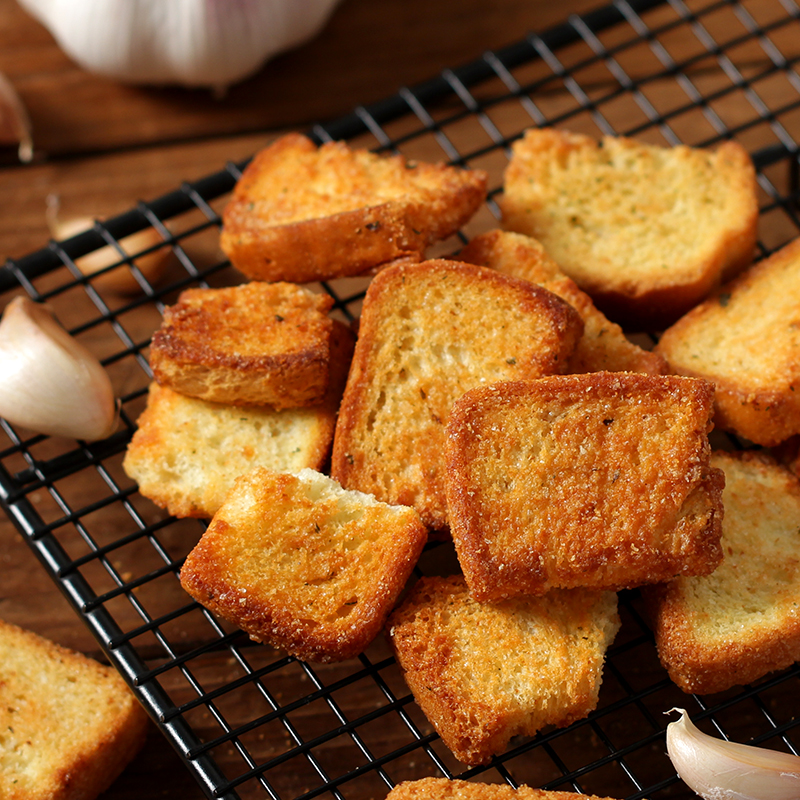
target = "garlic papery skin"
x: 720, y: 770
x: 49, y: 382
x: 121, y: 280
x: 15, y: 124
x: 210, y: 43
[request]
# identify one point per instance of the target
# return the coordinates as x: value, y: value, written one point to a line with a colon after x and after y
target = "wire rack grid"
x: 249, y: 721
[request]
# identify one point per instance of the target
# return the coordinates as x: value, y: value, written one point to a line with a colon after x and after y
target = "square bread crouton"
x: 303, y: 213
x: 254, y: 344
x: 599, y: 480
x: 746, y: 339
x: 187, y: 452
x: 483, y: 673
x: 70, y: 725
x: 302, y: 564
x: 742, y: 621
x: 445, y: 789
x: 603, y: 346
x: 428, y: 333
x: 647, y: 231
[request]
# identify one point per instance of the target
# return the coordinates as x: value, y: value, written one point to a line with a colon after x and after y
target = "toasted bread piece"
x: 254, y: 344
x: 647, y: 231
x: 70, y: 725
x: 429, y: 332
x: 599, y: 480
x: 304, y: 565
x: 186, y: 452
x: 445, y: 789
x: 603, y: 346
x: 301, y: 213
x: 746, y: 339
x: 483, y: 673
x: 742, y: 621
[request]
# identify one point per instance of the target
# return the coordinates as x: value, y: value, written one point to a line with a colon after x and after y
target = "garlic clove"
x: 121, y: 280
x: 49, y: 382
x: 720, y: 770
x: 15, y: 124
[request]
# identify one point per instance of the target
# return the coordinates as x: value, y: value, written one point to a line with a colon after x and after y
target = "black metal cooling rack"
x: 247, y: 720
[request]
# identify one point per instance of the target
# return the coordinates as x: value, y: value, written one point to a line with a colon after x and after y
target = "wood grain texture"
x: 102, y: 146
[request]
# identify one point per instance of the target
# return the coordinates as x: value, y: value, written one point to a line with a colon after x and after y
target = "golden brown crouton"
x: 603, y: 346
x: 301, y: 564
x: 599, y: 480
x: 70, y: 725
x: 254, y: 344
x: 741, y: 622
x: 483, y: 673
x: 302, y: 213
x: 746, y: 339
x: 445, y: 789
x: 428, y: 333
x: 646, y: 231
x: 186, y: 452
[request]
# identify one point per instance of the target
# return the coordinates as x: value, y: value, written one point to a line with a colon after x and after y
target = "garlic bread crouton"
x: 646, y: 231
x: 740, y: 622
x: 746, y: 339
x: 187, y: 452
x: 603, y: 346
x: 254, y: 344
x: 304, y: 213
x: 446, y: 789
x: 70, y: 725
x: 599, y: 480
x: 483, y: 673
x: 428, y: 333
x: 304, y: 565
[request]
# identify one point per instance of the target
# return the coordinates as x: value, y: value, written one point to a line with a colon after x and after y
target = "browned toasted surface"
x: 301, y: 564
x: 302, y: 213
x: 428, y: 333
x: 742, y: 621
x: 70, y: 725
x: 444, y: 789
x: 647, y: 231
x: 254, y: 344
x: 599, y: 480
x: 187, y: 452
x: 483, y: 673
x: 746, y: 339
x: 603, y: 346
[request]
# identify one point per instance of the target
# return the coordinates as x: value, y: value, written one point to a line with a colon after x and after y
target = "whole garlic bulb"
x: 209, y: 43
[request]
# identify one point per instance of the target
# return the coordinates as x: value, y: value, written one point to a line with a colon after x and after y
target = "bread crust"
x: 741, y: 622
x: 70, y: 724
x: 299, y: 563
x: 483, y: 673
x: 187, y: 452
x: 598, y: 480
x: 301, y: 213
x: 603, y: 346
x: 253, y: 344
x: 746, y: 339
x: 647, y: 231
x: 444, y: 789
x: 429, y: 332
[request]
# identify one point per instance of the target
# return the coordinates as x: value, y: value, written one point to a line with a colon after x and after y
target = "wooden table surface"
x: 101, y: 146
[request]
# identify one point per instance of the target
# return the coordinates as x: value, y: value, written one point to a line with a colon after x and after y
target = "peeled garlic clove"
x: 49, y: 382
x: 120, y: 280
x: 720, y: 770
x: 15, y: 125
